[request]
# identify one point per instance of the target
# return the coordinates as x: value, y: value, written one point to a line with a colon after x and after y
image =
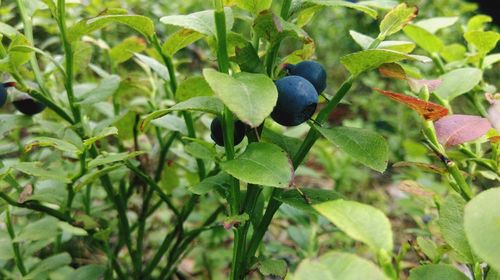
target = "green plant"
x: 117, y: 178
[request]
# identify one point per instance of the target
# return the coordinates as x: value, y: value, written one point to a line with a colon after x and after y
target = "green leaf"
x: 49, y: 264
x: 106, y: 88
x: 179, y: 40
x: 482, y: 225
x: 458, y: 82
x: 491, y: 59
x: 155, y: 65
x: 434, y: 24
x: 307, y: 199
x: 424, y: 39
x: 45, y: 228
x: 478, y: 22
x: 201, y: 149
x: 17, y: 56
x: 251, y: 97
x: 141, y: 24
x: 94, y: 175
x: 125, y: 123
x: 451, y: 223
x: 125, y: 50
x: 220, y: 181
x: 71, y: 229
x: 274, y: 29
x: 108, y: 131
x: 289, y: 144
x: 368, y: 147
x: 193, y: 87
x: 365, y: 41
x: 202, y: 22
x: 37, y: 169
x: 112, y: 158
x: 453, y: 52
x: 334, y: 3
x: 396, y: 19
x: 261, y: 164
x: 361, y: 222
x: 362, y: 61
x: 337, y: 265
x: 8, y: 30
x: 59, y: 144
x: 254, y: 6
x: 276, y: 268
x: 436, y: 272
x: 207, y: 104
x: 484, y: 41
x: 172, y: 123
x: 88, y: 272
x: 428, y: 247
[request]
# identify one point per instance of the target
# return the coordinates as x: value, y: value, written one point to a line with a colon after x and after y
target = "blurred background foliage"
x: 294, y: 235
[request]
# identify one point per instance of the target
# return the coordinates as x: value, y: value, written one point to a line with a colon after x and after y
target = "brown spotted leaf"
x: 430, y: 111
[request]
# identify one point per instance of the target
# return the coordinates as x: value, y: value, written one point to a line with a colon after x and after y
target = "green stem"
x: 15, y: 246
x: 272, y: 53
x: 228, y: 131
x: 153, y: 185
x: 306, y: 146
x: 69, y: 64
x: 439, y: 63
x: 28, y: 32
x: 37, y: 207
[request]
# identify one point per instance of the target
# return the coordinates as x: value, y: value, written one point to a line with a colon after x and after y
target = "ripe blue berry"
x: 216, y: 131
x: 311, y: 71
x: 3, y: 95
x: 28, y: 106
x: 3, y: 91
x: 297, y: 101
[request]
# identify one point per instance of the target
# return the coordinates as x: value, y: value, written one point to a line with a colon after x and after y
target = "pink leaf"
x: 457, y: 129
x: 417, y: 85
x: 494, y: 110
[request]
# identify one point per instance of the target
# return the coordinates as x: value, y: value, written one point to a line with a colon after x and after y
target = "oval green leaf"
x: 336, y: 265
x: 360, y: 221
x: 251, y: 97
x: 368, y: 147
x: 482, y: 226
x: 261, y: 164
x: 436, y: 272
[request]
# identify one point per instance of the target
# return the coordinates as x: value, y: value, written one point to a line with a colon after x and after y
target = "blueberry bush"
x: 249, y: 139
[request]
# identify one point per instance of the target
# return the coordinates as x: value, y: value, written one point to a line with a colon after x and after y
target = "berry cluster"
x: 298, y: 93
x: 25, y: 104
x: 297, y: 99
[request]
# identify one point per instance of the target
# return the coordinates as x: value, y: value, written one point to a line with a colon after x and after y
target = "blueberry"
x: 3, y: 95
x: 28, y: 106
x: 297, y: 101
x: 3, y: 91
x: 311, y: 71
x: 216, y: 131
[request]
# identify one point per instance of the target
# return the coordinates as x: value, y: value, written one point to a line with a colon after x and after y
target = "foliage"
x: 111, y: 172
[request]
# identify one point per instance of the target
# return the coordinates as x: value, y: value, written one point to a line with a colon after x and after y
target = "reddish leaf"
x: 457, y: 129
x: 430, y: 111
x: 495, y: 139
